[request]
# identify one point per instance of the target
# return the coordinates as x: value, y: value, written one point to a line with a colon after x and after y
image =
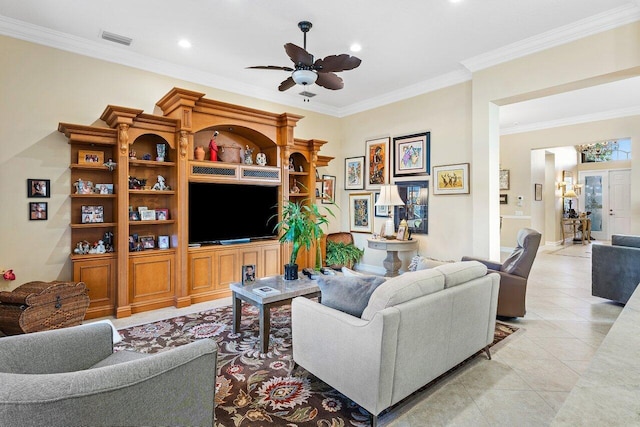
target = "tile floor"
x: 531, y: 372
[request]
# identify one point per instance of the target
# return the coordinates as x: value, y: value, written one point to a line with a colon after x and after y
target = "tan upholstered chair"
x: 514, y: 272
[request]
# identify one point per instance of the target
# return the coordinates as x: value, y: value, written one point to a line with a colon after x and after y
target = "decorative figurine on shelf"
x: 8, y: 275
x: 100, y: 248
x: 83, y: 187
x: 198, y: 153
x: 161, y: 150
x: 248, y: 152
x: 107, y: 238
x: 213, y: 147
x: 132, y: 154
x: 160, y: 185
x: 261, y: 159
x: 295, y: 188
x: 292, y: 166
x: 146, y: 156
x: 110, y: 164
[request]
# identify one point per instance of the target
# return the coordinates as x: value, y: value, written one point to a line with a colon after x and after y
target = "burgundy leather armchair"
x: 514, y: 273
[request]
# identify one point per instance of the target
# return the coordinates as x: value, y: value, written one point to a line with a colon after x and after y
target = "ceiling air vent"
x: 116, y: 38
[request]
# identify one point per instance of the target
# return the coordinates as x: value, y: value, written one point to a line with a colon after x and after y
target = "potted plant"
x: 301, y: 225
x: 342, y: 254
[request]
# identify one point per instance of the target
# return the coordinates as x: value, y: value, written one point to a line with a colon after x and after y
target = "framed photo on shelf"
x: 402, y: 233
x: 148, y: 242
x: 248, y: 274
x: 134, y: 216
x: 504, y: 200
x: 354, y: 173
x: 361, y: 212
x: 504, y: 179
x: 162, y: 214
x: 148, y: 215
x: 103, y: 188
x: 163, y: 242
x: 380, y: 211
x: 377, y: 163
x: 538, y: 192
x: 328, y: 189
x: 451, y: 179
x: 412, y: 154
x: 38, y: 211
x: 38, y: 188
x: 87, y: 157
x: 92, y: 214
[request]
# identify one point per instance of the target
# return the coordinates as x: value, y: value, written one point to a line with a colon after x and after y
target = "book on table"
x: 266, y: 291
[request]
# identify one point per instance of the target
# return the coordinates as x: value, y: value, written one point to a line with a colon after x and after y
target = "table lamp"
x: 570, y: 194
x: 389, y: 197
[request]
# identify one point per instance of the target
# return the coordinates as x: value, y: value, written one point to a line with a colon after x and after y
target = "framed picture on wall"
x: 38, y: 211
x: 354, y: 173
x: 38, y: 187
x: 377, y: 163
x: 328, y: 189
x: 451, y: 179
x: 411, y: 154
x: 504, y: 179
x: 361, y: 212
x: 380, y: 211
x: 504, y: 200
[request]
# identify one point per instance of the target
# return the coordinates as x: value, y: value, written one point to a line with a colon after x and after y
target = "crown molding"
x: 568, y: 121
x: 608, y: 20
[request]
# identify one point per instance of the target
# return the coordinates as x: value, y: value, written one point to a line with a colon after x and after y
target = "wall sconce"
x: 561, y: 185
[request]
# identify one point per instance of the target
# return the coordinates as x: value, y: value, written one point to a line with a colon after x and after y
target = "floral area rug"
x: 254, y: 388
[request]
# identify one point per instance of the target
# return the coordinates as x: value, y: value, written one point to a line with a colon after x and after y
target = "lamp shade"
x: 304, y: 77
x: 569, y: 194
x: 389, y: 196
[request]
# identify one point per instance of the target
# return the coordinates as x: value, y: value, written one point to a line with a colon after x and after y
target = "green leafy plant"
x: 301, y: 224
x: 339, y: 254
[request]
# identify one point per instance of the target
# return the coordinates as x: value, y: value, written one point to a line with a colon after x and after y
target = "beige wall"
x: 41, y: 87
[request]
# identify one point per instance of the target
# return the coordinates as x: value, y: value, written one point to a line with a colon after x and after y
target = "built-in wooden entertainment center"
x: 127, y: 281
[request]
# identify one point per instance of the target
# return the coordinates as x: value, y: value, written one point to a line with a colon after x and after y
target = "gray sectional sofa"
x: 615, y: 269
x: 414, y: 328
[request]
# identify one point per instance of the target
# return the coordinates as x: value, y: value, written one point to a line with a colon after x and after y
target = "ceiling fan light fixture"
x: 304, y: 77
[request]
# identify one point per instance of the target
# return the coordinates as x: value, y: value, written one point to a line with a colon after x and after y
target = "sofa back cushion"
x: 348, y: 293
x: 403, y: 288
x: 625, y: 240
x: 460, y: 272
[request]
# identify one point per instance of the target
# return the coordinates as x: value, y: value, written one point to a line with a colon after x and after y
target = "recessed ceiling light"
x: 184, y: 43
x: 355, y: 47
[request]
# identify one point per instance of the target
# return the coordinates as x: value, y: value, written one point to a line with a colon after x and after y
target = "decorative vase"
x: 291, y: 272
x: 198, y: 154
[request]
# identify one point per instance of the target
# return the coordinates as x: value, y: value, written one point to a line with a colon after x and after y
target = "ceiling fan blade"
x: 271, y: 67
x: 298, y: 55
x: 286, y: 84
x: 334, y: 63
x: 330, y: 81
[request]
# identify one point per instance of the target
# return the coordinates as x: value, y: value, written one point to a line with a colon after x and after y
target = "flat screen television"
x: 231, y: 211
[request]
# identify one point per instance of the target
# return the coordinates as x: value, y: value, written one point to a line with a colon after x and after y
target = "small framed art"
x: 538, y: 192
x: 86, y: 157
x: 354, y: 173
x: 248, y: 274
x: 504, y: 200
x: 377, y: 163
x: 361, y: 212
x: 38, y: 211
x: 103, y: 188
x: 328, y: 189
x: 134, y: 216
x: 451, y: 179
x: 504, y: 179
x: 148, y: 242
x: 92, y: 214
x: 38, y: 188
x: 148, y: 215
x: 402, y: 233
x: 380, y: 211
x: 411, y: 154
x: 163, y: 242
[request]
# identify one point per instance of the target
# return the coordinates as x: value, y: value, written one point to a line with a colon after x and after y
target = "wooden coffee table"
x: 288, y: 289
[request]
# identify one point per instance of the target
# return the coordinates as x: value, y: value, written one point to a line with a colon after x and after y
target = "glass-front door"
x: 594, y: 202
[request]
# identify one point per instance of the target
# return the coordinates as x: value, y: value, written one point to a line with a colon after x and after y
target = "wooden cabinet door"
x: 226, y: 268
x: 151, y: 281
x: 271, y: 261
x: 100, y: 277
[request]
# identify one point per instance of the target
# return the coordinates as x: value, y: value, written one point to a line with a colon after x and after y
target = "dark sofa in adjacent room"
x: 615, y: 269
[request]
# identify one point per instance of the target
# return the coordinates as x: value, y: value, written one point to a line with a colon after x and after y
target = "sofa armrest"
x: 354, y: 356
x: 491, y: 265
x: 175, y: 387
x: 615, y: 271
x: 58, y: 350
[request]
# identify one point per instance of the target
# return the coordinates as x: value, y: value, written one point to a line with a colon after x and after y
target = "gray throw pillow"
x: 348, y: 294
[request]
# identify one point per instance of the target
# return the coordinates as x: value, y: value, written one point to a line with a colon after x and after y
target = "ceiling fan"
x: 307, y: 72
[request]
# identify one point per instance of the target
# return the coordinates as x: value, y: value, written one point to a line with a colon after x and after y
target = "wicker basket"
x: 39, y: 306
